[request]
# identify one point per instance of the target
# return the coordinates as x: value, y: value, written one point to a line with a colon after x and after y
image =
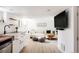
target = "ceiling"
x: 36, y: 10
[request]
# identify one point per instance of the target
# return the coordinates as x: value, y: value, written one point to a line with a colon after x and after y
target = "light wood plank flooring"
x: 37, y: 47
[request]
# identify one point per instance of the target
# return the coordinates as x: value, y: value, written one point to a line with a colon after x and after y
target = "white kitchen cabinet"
x: 16, y: 46
x: 18, y: 43
x: 12, y: 18
x: 22, y: 41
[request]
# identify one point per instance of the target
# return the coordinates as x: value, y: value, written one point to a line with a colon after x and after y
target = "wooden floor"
x: 37, y: 47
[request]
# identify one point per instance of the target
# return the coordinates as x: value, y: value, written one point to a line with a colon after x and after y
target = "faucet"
x: 5, y: 28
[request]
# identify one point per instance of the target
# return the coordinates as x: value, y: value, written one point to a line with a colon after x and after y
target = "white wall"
x: 67, y: 38
x: 1, y: 23
x: 31, y: 23
x: 5, y: 15
x: 14, y: 22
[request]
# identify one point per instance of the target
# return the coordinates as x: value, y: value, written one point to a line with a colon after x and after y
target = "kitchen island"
x: 19, y: 41
x: 6, y: 43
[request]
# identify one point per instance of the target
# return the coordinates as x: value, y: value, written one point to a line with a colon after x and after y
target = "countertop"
x: 5, y: 37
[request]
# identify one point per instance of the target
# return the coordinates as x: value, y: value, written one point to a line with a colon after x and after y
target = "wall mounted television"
x: 61, y: 20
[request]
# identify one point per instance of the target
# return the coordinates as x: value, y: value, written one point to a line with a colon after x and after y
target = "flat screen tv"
x: 61, y: 20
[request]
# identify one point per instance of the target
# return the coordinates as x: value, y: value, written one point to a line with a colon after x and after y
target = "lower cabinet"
x: 16, y: 46
x: 18, y: 43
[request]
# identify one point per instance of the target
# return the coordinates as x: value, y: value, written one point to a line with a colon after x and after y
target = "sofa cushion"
x: 34, y: 39
x: 42, y: 39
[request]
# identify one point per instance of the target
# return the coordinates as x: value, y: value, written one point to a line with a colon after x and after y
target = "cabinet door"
x: 21, y: 43
x: 16, y: 46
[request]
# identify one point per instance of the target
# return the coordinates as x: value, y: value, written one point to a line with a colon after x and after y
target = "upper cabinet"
x: 12, y: 19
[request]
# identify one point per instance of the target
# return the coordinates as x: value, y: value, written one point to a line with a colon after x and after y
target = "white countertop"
x: 16, y: 35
